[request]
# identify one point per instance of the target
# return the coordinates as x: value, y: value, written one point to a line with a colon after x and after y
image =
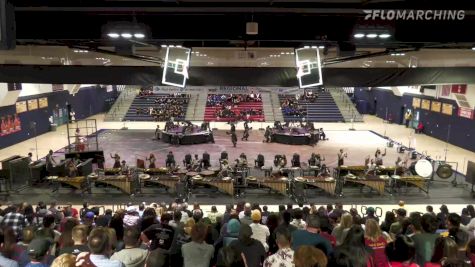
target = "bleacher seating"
x: 323, y: 109
x: 143, y: 103
x: 235, y: 112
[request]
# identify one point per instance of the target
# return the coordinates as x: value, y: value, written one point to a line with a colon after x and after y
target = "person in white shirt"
x: 284, y: 257
x: 297, y: 221
x: 259, y: 232
x: 247, y: 206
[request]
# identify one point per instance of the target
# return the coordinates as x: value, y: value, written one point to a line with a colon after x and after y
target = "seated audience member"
x: 155, y: 259
x: 446, y: 254
x: 401, y: 252
x: 307, y: 256
x: 64, y: 260
x: 232, y: 231
x: 231, y: 257
x: 132, y: 255
x: 461, y: 238
x: 160, y: 236
x: 340, y: 231
x: 424, y: 242
x: 252, y: 249
x: 79, y: 236
x: 353, y: 251
x: 377, y: 241
x: 311, y: 236
x: 197, y: 253
x: 37, y: 251
x: 284, y: 257
x: 259, y: 232
x: 100, y: 246
x: 298, y: 221
x: 4, y: 261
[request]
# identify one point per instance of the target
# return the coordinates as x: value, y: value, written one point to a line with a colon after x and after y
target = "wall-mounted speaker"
x: 7, y: 25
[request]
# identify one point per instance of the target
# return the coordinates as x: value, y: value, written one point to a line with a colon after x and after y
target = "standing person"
x: 245, y: 135
x: 408, y: 117
x: 311, y: 236
x: 197, y: 253
x: 151, y: 159
x: 170, y: 162
x: 157, y: 132
x: 341, y: 156
x: 50, y: 161
x: 353, y: 251
x: 116, y: 158
x: 234, y: 138
x: 267, y: 134
x: 132, y: 255
x: 100, y: 247
x: 375, y: 240
x: 259, y: 232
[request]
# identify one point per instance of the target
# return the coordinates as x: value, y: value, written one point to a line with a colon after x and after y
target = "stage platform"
x: 134, y: 144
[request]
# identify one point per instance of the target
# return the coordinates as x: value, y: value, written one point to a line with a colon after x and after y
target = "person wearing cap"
x: 370, y: 214
x: 101, y: 248
x: 311, y: 236
x: 132, y: 255
x: 37, y: 251
x: 252, y: 249
x: 259, y: 232
x: 89, y: 218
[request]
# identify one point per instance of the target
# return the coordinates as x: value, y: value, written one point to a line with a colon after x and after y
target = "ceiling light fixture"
x: 473, y: 48
x: 126, y: 35
x: 371, y: 35
x: 139, y: 35
x: 113, y: 35
x: 384, y: 35
x: 321, y: 47
x: 306, y: 46
x: 358, y: 35
x: 163, y: 46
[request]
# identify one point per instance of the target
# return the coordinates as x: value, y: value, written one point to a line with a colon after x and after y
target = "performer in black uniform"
x: 116, y: 158
x: 245, y: 135
x: 157, y: 132
x: 151, y: 159
x: 50, y: 162
x: 234, y: 138
x: 205, y: 161
x: 170, y: 162
x: 233, y: 128
x: 267, y: 134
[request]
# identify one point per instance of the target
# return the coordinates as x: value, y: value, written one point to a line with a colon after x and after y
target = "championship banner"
x: 465, y: 113
x: 9, y: 124
x: 43, y: 102
x: 425, y: 104
x: 436, y: 106
x: 459, y: 88
x: 21, y: 107
x: 446, y: 90
x: 447, y: 109
x: 32, y: 104
x: 416, y: 102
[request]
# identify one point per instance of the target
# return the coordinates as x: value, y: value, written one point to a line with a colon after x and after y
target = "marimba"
x: 167, y: 182
x: 373, y: 182
x: 327, y: 184
x: 417, y: 181
x: 79, y: 182
x: 155, y: 171
x: 226, y: 186
x: 120, y: 182
x: 360, y: 170
x: 280, y: 186
x: 111, y: 171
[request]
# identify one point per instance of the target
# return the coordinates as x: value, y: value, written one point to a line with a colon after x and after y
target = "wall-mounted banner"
x: 465, y: 113
x: 43, y: 102
x: 225, y: 90
x: 32, y: 104
x: 21, y: 107
x: 9, y: 124
x: 425, y: 104
x: 416, y: 102
x: 436, y: 106
x: 404, y: 14
x: 447, y: 109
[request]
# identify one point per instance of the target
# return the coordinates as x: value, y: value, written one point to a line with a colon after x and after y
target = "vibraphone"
x: 280, y: 186
x: 167, y: 182
x: 226, y: 186
x: 373, y: 182
x: 360, y: 170
x: 417, y: 181
x: 112, y: 171
x: 327, y: 185
x: 120, y: 182
x: 79, y: 183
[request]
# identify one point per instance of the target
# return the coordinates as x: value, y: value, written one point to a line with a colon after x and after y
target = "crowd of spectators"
x: 290, y: 107
x: 231, y: 100
x: 165, y: 106
x: 244, y: 235
x: 227, y: 105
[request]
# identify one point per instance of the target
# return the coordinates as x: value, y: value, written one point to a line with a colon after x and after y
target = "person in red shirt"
x: 377, y: 241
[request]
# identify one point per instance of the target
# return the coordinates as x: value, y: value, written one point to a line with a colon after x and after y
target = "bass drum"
x: 424, y: 168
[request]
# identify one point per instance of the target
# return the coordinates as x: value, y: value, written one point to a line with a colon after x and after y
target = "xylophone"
x: 120, y: 182
x: 370, y: 181
x: 79, y: 182
x: 417, y: 181
x: 327, y: 184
